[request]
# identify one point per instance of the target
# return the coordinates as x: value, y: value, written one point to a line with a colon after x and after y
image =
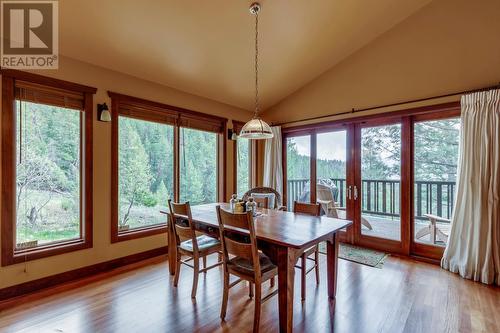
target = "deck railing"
x: 381, y: 197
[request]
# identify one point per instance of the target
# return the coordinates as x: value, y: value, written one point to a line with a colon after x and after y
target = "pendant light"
x: 256, y: 128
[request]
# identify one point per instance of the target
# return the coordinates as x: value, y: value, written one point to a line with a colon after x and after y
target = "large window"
x: 243, y: 167
x: 161, y: 152
x: 145, y: 165
x: 198, y: 166
x: 46, y: 167
x: 47, y: 174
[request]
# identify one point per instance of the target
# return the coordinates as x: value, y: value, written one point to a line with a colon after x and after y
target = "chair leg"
x: 177, y: 270
x: 250, y: 289
x: 196, y: 264
x: 303, y: 270
x: 258, y: 301
x: 225, y: 294
x: 316, y: 262
x: 205, y: 263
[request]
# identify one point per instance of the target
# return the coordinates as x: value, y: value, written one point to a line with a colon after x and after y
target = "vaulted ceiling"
x: 207, y: 47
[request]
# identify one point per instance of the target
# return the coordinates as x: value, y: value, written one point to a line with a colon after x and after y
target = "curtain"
x: 473, y: 248
x: 273, y: 164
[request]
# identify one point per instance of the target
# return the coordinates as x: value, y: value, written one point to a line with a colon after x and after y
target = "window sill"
x: 43, y: 251
x: 139, y: 233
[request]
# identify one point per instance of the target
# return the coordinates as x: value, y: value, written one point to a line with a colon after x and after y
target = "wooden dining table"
x: 283, y: 237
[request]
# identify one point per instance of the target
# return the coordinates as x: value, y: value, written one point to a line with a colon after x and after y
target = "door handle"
x: 355, y: 192
x: 349, y: 192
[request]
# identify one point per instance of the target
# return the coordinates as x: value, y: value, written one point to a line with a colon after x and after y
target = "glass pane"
x: 198, y: 166
x: 298, y: 169
x: 331, y: 172
x: 243, y: 166
x: 436, y: 157
x: 47, y: 174
x: 145, y: 179
x: 380, y: 178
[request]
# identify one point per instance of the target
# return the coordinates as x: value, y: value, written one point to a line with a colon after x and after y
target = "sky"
x: 330, y: 146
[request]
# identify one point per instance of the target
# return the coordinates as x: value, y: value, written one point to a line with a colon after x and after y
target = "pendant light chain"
x: 256, y: 65
x: 256, y: 128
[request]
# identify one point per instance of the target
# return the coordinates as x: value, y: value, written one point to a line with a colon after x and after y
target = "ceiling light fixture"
x: 256, y: 128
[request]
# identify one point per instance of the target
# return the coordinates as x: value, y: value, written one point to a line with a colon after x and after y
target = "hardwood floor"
x: 404, y: 296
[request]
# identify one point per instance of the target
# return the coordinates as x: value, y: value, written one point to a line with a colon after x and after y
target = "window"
x: 161, y: 152
x: 46, y: 167
x: 243, y: 166
x: 198, y: 166
x: 47, y: 174
x: 145, y: 172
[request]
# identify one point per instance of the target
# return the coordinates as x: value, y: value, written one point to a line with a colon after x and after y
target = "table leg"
x: 332, y: 253
x: 172, y: 250
x: 286, y: 273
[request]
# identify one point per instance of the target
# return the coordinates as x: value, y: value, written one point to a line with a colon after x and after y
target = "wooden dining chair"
x: 261, y: 202
x: 195, y: 247
x: 246, y: 262
x: 314, y: 210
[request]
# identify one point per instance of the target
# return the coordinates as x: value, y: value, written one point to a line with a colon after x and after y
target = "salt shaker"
x: 232, y: 202
x: 251, y: 206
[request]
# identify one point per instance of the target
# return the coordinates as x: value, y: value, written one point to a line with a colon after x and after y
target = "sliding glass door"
x: 380, y: 181
x: 394, y: 176
x: 435, y: 176
x: 298, y: 169
x: 317, y: 165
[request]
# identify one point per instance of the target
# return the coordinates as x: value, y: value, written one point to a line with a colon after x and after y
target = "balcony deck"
x: 390, y: 229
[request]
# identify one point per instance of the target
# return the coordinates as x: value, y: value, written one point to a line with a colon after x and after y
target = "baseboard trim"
x: 83, y: 272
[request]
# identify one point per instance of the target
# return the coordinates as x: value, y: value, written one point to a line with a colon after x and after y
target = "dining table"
x: 283, y: 236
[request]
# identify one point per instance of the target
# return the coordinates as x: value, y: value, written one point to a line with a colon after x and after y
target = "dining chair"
x: 261, y: 202
x: 273, y: 196
x: 246, y: 262
x: 189, y: 244
x: 314, y: 210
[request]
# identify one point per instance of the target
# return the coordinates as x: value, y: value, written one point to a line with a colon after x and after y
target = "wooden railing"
x: 381, y: 197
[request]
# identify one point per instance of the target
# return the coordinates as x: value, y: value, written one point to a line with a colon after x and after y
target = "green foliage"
x: 47, y: 171
x: 198, y: 166
x: 243, y: 166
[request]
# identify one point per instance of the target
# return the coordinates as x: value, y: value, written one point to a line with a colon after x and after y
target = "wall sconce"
x: 103, y: 112
x: 231, y: 135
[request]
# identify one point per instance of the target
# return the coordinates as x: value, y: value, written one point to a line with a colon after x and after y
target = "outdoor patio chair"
x: 435, y: 232
x: 324, y: 197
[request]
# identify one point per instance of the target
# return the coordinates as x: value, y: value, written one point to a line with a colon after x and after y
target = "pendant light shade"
x: 256, y: 129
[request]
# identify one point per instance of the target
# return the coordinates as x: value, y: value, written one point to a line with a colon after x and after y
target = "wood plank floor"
x: 404, y: 296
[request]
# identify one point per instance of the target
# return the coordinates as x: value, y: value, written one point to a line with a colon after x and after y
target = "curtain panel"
x: 473, y: 248
x: 273, y: 161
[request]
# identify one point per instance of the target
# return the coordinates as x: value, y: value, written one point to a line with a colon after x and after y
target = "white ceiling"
x: 207, y: 48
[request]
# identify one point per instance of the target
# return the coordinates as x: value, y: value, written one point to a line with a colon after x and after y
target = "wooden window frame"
x: 407, y: 118
x: 237, y: 126
x: 142, y: 109
x: 9, y: 254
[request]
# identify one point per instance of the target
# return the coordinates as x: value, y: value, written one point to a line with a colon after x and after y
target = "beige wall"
x: 103, y: 250
x: 447, y: 46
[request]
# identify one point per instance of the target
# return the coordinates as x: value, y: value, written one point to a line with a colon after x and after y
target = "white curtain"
x: 273, y: 164
x: 473, y: 248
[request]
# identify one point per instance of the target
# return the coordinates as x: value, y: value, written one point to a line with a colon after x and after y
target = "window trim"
x: 141, y: 109
x: 9, y: 254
